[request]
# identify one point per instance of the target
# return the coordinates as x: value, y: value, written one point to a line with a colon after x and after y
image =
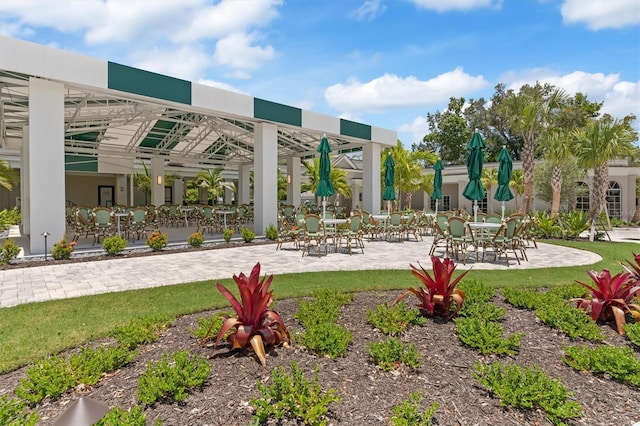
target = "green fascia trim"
x: 134, y: 80
x: 80, y: 163
x: 356, y: 130
x: 345, y: 151
x: 85, y: 137
x: 272, y: 111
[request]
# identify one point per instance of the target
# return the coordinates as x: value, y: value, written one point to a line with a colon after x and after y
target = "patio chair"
x: 439, y: 239
x: 395, y: 226
x: 370, y: 227
x: 287, y: 232
x: 136, y: 225
x: 103, y: 223
x: 206, y: 219
x: 313, y: 234
x: 352, y: 233
x: 459, y: 238
x: 83, y: 222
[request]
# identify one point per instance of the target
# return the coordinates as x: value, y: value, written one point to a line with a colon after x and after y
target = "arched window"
x: 614, y: 200
x: 582, y: 199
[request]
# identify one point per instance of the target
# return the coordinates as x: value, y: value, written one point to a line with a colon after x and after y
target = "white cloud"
x: 186, y: 62
x: 414, y: 130
x: 620, y: 97
x: 392, y: 91
x: 369, y: 10
x: 236, y: 51
x: 599, y: 14
x: 447, y: 5
x: 221, y: 85
x: 70, y: 18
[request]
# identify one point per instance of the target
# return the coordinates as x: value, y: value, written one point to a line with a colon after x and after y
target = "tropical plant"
x: 546, y: 226
x: 114, y: 244
x: 574, y: 223
x: 227, y: 233
x: 157, y: 240
x: 517, y: 184
x: 557, y: 147
x: 489, y: 178
x: 439, y: 291
x: 9, y: 251
x: 635, y: 269
x: 8, y: 176
x: 611, y: 298
x: 338, y: 178
x: 214, y: 183
x: 409, y: 165
x: 62, y: 249
x: 271, y: 232
x: 255, y: 323
x: 247, y: 234
x: 196, y: 239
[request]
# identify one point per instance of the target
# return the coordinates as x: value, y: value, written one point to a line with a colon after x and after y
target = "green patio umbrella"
x: 325, y: 188
x: 389, y: 193
x: 474, y: 190
x: 505, y: 168
x: 437, y: 182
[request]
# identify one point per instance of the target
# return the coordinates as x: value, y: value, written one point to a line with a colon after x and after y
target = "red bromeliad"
x: 439, y: 292
x: 255, y: 323
x: 611, y: 298
x: 635, y: 269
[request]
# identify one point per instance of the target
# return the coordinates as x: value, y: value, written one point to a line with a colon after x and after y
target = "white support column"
x: 178, y: 191
x: 371, y: 192
x: 244, y: 183
x: 131, y: 202
x: 356, y: 185
x: 265, y: 191
x: 293, y: 181
x: 157, y: 181
x: 121, y: 189
x: 45, y: 151
x: 25, y: 207
x: 228, y: 196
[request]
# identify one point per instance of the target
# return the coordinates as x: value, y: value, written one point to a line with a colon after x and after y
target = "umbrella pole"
x: 324, y: 206
x: 436, y: 207
x: 503, y: 210
x: 475, y: 210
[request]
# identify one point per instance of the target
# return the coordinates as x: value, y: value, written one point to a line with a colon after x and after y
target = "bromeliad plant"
x: 611, y: 297
x: 439, y: 292
x: 255, y: 324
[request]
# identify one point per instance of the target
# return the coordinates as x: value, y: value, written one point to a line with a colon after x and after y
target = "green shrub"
x: 172, y: 377
x: 140, y: 331
x: 118, y: 417
x: 485, y: 311
x: 633, y: 333
x: 294, y: 397
x: 157, y: 240
x: 545, y: 226
x: 528, y: 388
x: 394, y: 319
x: 476, y: 292
x: 209, y: 326
x: 89, y: 364
x: 523, y: 299
x: 392, y: 353
x: 247, y: 234
x: 620, y: 363
x: 10, y: 251
x: 325, y: 308
x: 10, y: 217
x: 326, y: 339
x: 572, y: 321
x: 62, y: 249
x: 271, y: 232
x: 227, y: 233
x: 196, y: 239
x: 14, y: 412
x: 407, y: 413
x: 574, y: 223
x: 114, y: 244
x: 487, y: 336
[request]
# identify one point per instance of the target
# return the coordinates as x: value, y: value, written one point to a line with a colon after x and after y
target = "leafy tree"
x: 601, y: 141
x: 312, y: 172
x: 558, y: 148
x: 8, y: 177
x: 571, y: 173
x: 212, y: 180
x: 282, y: 186
x: 409, y: 166
x: 517, y: 184
x: 489, y: 178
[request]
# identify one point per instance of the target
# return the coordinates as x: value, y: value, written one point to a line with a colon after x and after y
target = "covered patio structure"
x: 66, y: 117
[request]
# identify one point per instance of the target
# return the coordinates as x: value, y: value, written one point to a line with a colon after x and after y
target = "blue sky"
x: 382, y: 62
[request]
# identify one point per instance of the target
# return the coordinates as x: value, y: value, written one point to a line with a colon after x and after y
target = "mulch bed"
x: 368, y: 394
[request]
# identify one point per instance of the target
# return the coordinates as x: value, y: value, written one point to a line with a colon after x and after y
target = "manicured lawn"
x: 28, y: 332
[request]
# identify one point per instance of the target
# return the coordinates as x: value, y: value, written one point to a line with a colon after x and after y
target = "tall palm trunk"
x: 556, y: 188
x: 598, y: 195
x: 528, y: 172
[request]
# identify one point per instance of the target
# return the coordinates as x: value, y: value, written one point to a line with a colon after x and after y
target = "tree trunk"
x: 528, y: 172
x: 556, y: 187
x: 598, y: 194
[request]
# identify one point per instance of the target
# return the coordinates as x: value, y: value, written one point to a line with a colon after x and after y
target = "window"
x: 614, y: 200
x: 482, y: 205
x: 582, y: 199
x: 443, y: 205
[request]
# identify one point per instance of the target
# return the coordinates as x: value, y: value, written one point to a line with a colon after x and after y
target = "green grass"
x: 29, y: 332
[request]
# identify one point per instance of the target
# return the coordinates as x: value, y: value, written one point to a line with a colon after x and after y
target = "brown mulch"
x: 368, y: 394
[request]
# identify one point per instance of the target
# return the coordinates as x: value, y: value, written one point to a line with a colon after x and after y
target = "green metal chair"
x: 313, y: 234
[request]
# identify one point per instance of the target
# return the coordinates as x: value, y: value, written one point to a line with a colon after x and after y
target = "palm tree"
x: 282, y: 186
x: 557, y: 147
x: 409, y: 166
x: 517, y: 184
x: 8, y: 177
x: 142, y: 181
x: 212, y: 180
x: 599, y: 142
x: 531, y: 110
x: 489, y: 178
x: 312, y: 172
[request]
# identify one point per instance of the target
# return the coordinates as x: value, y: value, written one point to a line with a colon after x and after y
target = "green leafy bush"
x: 528, y: 388
x: 572, y: 321
x: 62, y: 249
x: 89, y: 364
x: 574, y: 223
x: 407, y: 413
x: 14, y: 412
x: 157, y: 240
x: 326, y: 339
x: 247, y: 234
x: 487, y: 336
x: 523, y: 299
x: 620, y: 363
x: 271, y: 232
x: 10, y: 251
x: 114, y: 244
x: 227, y: 233
x: 10, y: 217
x: 196, y: 239
x: 393, y: 320
x: 324, y: 308
x: 209, y: 327
x: 485, y: 311
x: 476, y: 291
x: 140, y: 331
x: 392, y: 353
x: 172, y: 377
x: 293, y: 397
x: 118, y: 417
x: 545, y: 226
x: 633, y: 333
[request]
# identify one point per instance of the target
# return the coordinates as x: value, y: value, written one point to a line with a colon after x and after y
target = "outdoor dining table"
x: 332, y: 228
x: 224, y: 214
x: 186, y: 211
x: 118, y: 217
x: 482, y: 232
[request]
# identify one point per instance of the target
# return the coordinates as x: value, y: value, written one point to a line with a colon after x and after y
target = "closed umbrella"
x: 325, y: 188
x: 474, y: 190
x: 389, y: 193
x: 437, y: 182
x: 505, y: 167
